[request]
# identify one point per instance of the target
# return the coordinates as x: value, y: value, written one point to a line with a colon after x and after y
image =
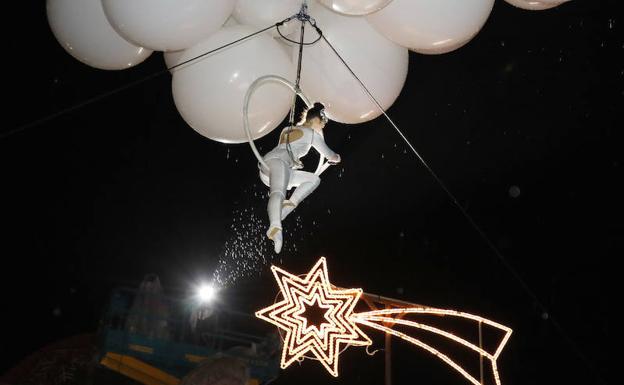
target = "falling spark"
x: 248, y: 252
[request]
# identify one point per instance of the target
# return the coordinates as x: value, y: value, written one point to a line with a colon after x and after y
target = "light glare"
x: 206, y: 293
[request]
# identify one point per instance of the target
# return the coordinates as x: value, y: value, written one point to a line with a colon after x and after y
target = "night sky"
x: 521, y: 124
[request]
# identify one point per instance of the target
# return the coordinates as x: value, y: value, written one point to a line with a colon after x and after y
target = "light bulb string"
x: 390, y: 317
x: 424, y: 346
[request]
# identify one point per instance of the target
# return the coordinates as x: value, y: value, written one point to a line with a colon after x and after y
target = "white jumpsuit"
x: 283, y: 175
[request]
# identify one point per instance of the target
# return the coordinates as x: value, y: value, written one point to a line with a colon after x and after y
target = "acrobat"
x: 284, y: 168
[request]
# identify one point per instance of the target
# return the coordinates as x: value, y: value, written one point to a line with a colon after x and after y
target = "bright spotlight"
x: 206, y: 293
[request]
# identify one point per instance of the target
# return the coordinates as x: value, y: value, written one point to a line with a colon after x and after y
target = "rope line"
x: 297, y: 83
x: 296, y: 42
x: 473, y: 223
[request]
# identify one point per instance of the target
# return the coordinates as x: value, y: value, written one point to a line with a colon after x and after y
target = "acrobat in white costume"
x: 284, y: 166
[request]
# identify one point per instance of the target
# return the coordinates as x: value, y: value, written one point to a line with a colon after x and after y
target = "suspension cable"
x: 569, y: 340
x: 302, y: 15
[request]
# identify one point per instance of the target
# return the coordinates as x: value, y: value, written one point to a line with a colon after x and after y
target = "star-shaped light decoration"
x: 322, y: 341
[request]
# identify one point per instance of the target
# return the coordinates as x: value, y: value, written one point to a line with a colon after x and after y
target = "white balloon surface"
x: 264, y: 13
x: 81, y: 28
x: 172, y: 58
x: 167, y: 25
x: 209, y: 93
x: 355, y: 7
x: 536, y: 5
x: 381, y: 64
x: 432, y: 26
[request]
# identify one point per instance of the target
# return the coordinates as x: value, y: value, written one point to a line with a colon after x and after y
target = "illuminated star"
x: 304, y: 337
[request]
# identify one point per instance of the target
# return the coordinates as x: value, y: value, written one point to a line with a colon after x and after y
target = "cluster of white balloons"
x: 373, y: 37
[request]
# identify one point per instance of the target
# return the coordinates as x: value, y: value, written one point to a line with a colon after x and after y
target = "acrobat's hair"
x: 312, y: 112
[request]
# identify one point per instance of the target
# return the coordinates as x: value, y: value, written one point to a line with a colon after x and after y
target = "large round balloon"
x: 355, y: 7
x: 81, y: 28
x: 378, y: 62
x: 167, y: 25
x: 209, y: 93
x: 536, y: 5
x: 264, y: 13
x: 432, y: 26
x: 172, y: 58
x: 261, y: 14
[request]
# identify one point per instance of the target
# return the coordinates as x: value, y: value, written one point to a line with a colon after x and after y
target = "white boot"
x: 275, y: 234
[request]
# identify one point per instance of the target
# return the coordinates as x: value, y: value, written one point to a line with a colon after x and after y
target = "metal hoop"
x: 322, y: 165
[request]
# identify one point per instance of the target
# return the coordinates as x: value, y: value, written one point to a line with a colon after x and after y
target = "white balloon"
x: 80, y: 26
x: 209, y: 93
x: 355, y: 7
x: 261, y: 14
x: 432, y: 26
x: 167, y: 25
x: 378, y: 62
x: 536, y: 5
x: 264, y: 13
x: 172, y: 58
x: 230, y: 22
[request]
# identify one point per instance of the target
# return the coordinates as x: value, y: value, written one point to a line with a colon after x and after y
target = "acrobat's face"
x: 324, y: 118
x: 319, y: 124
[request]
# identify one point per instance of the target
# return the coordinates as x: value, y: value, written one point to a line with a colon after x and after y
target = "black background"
x: 99, y: 197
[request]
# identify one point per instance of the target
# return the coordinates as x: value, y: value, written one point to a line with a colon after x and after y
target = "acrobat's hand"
x: 334, y: 160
